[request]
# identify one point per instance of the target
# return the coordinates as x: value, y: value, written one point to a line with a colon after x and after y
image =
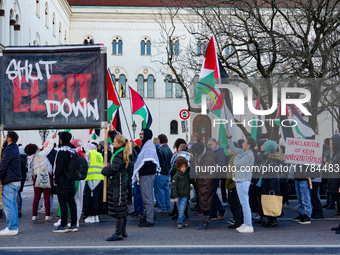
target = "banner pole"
x: 120, y: 101
x: 131, y: 113
x: 105, y: 161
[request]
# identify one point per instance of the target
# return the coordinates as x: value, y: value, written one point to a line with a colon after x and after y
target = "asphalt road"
x: 289, y: 238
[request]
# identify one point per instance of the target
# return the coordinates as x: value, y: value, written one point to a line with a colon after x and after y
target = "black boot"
x: 124, y: 233
x: 174, y: 211
x: 118, y: 235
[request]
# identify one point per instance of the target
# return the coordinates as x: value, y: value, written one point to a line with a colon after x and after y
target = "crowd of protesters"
x: 148, y: 175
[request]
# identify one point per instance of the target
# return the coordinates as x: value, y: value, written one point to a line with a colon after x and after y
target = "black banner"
x: 53, y: 87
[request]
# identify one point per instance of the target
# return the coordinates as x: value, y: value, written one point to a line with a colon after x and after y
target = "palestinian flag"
x: 116, y: 124
x: 302, y: 128
x: 112, y: 98
x: 284, y: 131
x: 210, y: 73
x: 95, y: 134
x: 138, y: 107
x: 256, y: 129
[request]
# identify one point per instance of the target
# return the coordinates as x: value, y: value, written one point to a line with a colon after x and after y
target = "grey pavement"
x: 288, y: 238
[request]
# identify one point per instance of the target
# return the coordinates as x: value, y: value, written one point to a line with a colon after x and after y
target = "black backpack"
x: 77, y: 168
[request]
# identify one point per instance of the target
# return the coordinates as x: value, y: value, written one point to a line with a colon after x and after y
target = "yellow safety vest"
x: 95, y: 168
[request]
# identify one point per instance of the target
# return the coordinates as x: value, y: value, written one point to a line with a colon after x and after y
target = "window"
x: 174, y: 127
x: 199, y: 48
x: 178, y: 90
x: 145, y: 47
x: 229, y: 49
x: 117, y: 46
x: 174, y: 47
x: 140, y: 85
x: 205, y: 44
x: 46, y: 14
x: 113, y: 78
x: 53, y: 24
x: 122, y: 85
x: 168, y: 86
x: 88, y: 40
x: 150, y: 86
x: 37, y: 8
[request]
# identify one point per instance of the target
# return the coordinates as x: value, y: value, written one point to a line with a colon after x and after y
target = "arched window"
x: 46, y: 14
x: 142, y: 48
x: 196, y: 79
x: 174, y: 47
x: 178, y: 91
x: 140, y: 85
x: 54, y: 24
x: 145, y: 47
x: 37, y: 8
x: 113, y: 78
x: 174, y: 127
x: 168, y: 86
x: 148, y: 48
x: 177, y: 48
x: 88, y: 40
x: 122, y: 85
x: 150, y: 86
x: 117, y: 46
x: 120, y: 47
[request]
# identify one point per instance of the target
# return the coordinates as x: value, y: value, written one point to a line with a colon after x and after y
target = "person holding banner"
x: 94, y: 185
x: 38, y: 163
x: 118, y: 184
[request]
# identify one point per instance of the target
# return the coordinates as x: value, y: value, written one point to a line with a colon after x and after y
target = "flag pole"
x: 121, y: 106
x: 105, y: 161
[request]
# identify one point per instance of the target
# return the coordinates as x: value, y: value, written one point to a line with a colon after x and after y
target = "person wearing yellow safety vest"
x: 93, y: 195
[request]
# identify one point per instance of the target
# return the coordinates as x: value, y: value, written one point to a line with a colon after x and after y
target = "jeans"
x: 162, y: 192
x: 242, y: 192
x: 65, y: 193
x: 137, y: 199
x: 9, y: 203
x: 146, y: 186
x: 303, y: 196
x: 181, y: 205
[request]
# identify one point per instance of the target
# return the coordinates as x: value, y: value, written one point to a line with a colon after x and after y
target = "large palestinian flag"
x: 138, y: 107
x: 112, y: 98
x: 210, y: 73
x: 302, y: 128
x: 285, y: 131
x: 255, y: 128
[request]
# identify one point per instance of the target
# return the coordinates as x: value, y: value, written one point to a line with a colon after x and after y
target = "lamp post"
x: 134, y: 127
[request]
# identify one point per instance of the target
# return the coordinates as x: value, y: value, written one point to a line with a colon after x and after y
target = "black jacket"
x: 180, y: 185
x: 10, y: 166
x: 117, y: 188
x: 333, y: 182
x: 62, y: 161
x: 164, y: 156
x: 51, y: 157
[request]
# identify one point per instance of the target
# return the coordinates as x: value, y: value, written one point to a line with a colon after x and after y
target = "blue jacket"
x: 219, y: 156
x: 164, y: 156
x: 10, y: 165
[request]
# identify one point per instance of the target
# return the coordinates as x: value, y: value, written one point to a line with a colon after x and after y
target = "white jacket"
x: 40, y: 160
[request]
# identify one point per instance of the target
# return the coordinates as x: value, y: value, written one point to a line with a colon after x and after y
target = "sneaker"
x: 296, y: 208
x: 34, y: 218
x: 7, y: 232
x: 146, y: 224
x: 61, y: 229
x: 58, y: 223
x: 161, y: 211
x: 90, y: 219
x: 179, y: 225
x: 305, y: 220
x: 298, y: 218
x: 96, y: 218
x: 204, y: 225
x: 284, y: 205
x: 47, y: 218
x: 221, y: 215
x: 185, y: 225
x: 240, y: 227
x: 41, y: 210
x: 214, y: 218
x: 256, y: 217
x: 73, y: 228
x: 199, y: 213
x: 246, y: 229
x: 231, y: 221
x: 336, y: 229
x: 336, y: 215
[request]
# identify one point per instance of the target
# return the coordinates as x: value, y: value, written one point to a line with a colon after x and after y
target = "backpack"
x: 77, y: 168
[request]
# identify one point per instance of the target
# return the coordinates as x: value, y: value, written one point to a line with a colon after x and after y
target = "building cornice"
x: 66, y: 8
